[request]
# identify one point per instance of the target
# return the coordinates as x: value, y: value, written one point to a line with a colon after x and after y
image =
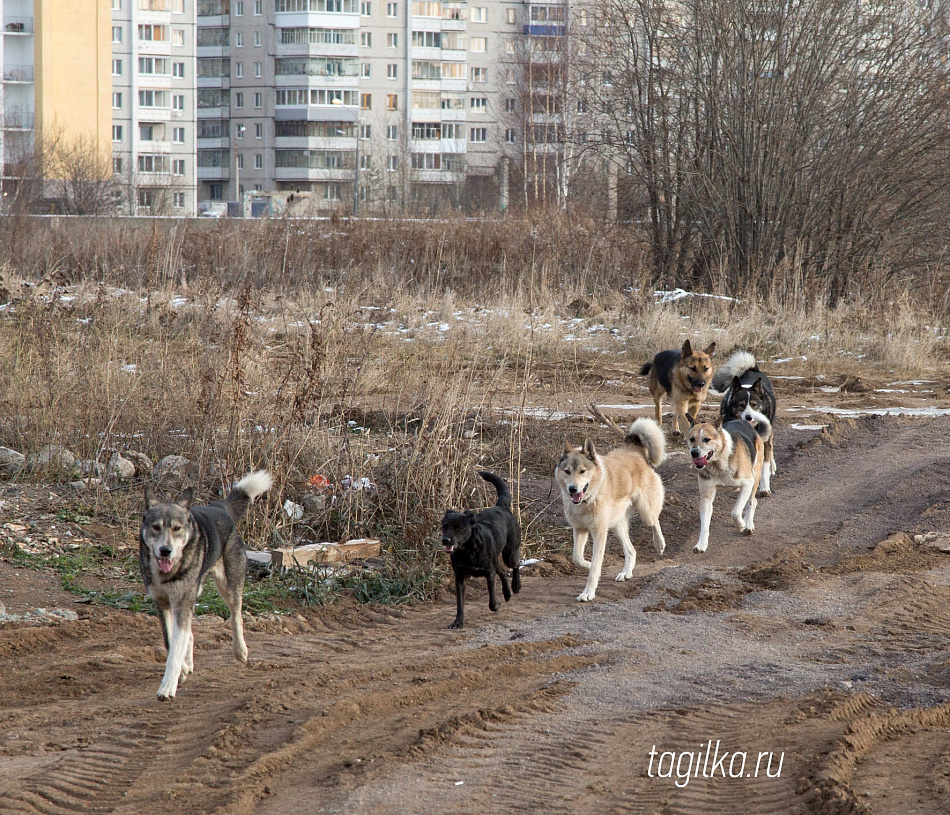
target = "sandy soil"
x: 822, y: 643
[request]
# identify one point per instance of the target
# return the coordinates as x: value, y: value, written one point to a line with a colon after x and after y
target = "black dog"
x: 746, y: 393
x: 478, y: 543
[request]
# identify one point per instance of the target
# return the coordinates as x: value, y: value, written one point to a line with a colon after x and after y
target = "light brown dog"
x: 727, y: 454
x: 597, y: 492
x: 685, y: 375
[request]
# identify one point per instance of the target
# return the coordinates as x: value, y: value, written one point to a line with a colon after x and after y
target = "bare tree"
x: 763, y: 131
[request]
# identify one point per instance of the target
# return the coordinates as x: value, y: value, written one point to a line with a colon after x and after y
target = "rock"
x: 143, y: 464
x: 120, y: 467
x: 52, y: 458
x: 11, y: 461
x: 313, y: 503
x: 87, y: 484
x: 90, y: 469
x: 175, y: 470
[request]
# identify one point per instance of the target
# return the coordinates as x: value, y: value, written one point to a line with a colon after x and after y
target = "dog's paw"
x: 585, y: 596
x: 240, y: 653
x: 659, y: 548
x: 763, y: 494
x: 165, y: 695
x: 624, y: 575
x: 457, y: 623
x: 584, y: 564
x: 494, y: 606
x: 748, y: 530
x: 699, y: 549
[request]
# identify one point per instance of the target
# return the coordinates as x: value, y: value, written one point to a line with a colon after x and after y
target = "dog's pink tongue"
x: 164, y: 565
x: 700, y: 462
x: 577, y: 497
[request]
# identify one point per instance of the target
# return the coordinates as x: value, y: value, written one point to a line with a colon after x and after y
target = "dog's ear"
x: 470, y: 514
x: 567, y: 448
x: 719, y: 420
x: 710, y: 349
x: 757, y: 385
x: 184, y: 500
x: 151, y: 499
x: 691, y: 418
x: 736, y: 384
x: 589, y: 449
x: 687, y: 349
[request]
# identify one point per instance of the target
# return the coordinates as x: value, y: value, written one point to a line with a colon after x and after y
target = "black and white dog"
x: 484, y: 544
x: 747, y: 394
x: 180, y: 545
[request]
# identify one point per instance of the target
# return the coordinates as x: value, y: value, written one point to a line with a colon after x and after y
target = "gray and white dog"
x: 179, y: 545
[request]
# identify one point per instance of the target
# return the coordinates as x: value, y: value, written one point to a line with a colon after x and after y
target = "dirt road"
x: 802, y: 670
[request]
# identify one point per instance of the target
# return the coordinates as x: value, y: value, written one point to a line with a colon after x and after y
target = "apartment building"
x: 55, y: 80
x: 361, y: 103
x: 153, y: 105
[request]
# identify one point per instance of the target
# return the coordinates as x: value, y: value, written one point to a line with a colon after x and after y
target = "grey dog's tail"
x: 245, y: 490
x: 645, y: 369
x: 504, y: 494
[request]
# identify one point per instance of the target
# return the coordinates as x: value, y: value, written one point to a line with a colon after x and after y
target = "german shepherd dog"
x: 597, y: 492
x: 179, y: 545
x: 481, y: 545
x: 746, y: 394
x: 727, y: 454
x: 685, y: 375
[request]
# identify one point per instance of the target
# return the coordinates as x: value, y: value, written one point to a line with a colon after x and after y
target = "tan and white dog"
x: 597, y: 492
x: 728, y: 454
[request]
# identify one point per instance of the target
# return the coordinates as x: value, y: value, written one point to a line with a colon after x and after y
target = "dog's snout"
x: 165, y: 551
x: 446, y: 541
x: 572, y: 488
x: 694, y: 452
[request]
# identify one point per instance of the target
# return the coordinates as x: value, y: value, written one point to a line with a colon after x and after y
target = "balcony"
x: 18, y: 73
x: 16, y: 119
x: 18, y: 25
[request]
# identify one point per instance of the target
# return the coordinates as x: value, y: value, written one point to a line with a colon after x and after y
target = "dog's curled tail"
x: 738, y: 364
x: 504, y: 494
x: 246, y: 490
x: 759, y: 421
x: 646, y: 433
x: 645, y: 368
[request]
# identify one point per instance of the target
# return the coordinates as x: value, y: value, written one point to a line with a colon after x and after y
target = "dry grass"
x: 406, y: 354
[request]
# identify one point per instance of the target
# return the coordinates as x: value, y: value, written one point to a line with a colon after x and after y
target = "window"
x: 258, y: 39
x: 392, y: 9
x: 366, y: 131
x: 153, y: 99
x: 216, y: 191
x: 510, y: 136
x: 510, y: 76
x: 149, y: 163
x: 153, y: 65
x: 392, y: 71
x: 331, y: 192
x: 511, y: 105
x: 239, y: 99
x: 239, y: 8
x: 366, y: 70
x: 179, y: 200
x: 240, y: 161
x: 178, y: 36
x: 479, y: 44
x: 366, y: 39
x: 479, y: 103
x: 478, y: 135
x: 366, y: 101
x: 145, y: 198
x: 366, y: 8
x: 239, y: 131
x: 392, y: 132
x: 366, y: 162
x: 426, y: 8
x: 239, y: 39
x: 116, y: 100
x: 479, y: 74
x: 258, y: 69
x: 511, y: 16
x: 116, y: 165
x: 392, y: 101
x: 117, y: 5
x: 146, y: 132
x: 479, y: 14
x: 259, y: 131
x: 178, y: 102
x: 427, y: 39
x: 392, y: 40
x: 239, y: 70
x: 117, y: 67
x: 178, y: 70
x: 153, y: 33
x: 116, y: 132
x: 258, y: 8
x: 178, y: 166
x: 116, y: 33
x: 258, y: 161
x: 178, y: 6
x: 392, y: 163
x: 258, y: 99
x: 178, y: 135
x: 509, y: 46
